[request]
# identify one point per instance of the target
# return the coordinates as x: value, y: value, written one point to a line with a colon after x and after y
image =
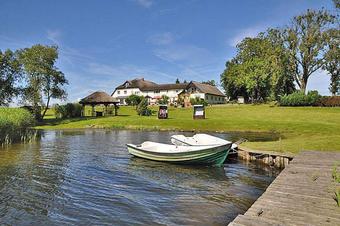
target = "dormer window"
x: 126, y: 85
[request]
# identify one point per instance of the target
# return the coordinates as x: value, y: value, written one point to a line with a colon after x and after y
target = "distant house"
x: 211, y: 94
x: 151, y: 90
x: 154, y: 91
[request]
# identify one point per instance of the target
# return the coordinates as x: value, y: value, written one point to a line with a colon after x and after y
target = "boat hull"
x: 211, y: 156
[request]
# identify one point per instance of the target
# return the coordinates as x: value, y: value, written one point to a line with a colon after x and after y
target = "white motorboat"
x: 205, y: 154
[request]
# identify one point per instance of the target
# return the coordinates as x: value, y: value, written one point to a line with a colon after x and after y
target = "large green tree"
x: 9, y: 77
x: 44, y: 80
x: 306, y: 41
x: 260, y: 69
x: 332, y: 60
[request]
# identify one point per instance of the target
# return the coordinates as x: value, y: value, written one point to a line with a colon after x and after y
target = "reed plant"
x: 336, y: 174
x: 15, y: 125
x: 337, y: 197
x: 336, y: 178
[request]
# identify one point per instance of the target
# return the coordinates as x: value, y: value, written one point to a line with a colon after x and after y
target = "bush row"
x: 69, y: 110
x: 311, y: 99
x: 300, y: 99
x: 333, y: 101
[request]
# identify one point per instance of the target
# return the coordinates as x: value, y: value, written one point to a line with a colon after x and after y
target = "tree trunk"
x: 46, y: 108
x: 303, y: 83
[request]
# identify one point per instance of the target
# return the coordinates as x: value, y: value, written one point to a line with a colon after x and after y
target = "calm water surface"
x: 87, y: 177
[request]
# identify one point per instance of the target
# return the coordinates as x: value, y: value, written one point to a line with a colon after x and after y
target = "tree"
x: 260, y: 69
x: 9, y: 76
x: 210, y: 82
x: 282, y: 76
x: 185, y: 81
x: 164, y: 100
x: 133, y: 100
x: 177, y: 81
x: 232, y: 88
x: 43, y: 78
x: 306, y: 41
x: 142, y: 108
x: 332, y: 60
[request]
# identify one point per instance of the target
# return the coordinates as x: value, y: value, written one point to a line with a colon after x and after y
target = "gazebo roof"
x: 99, y: 97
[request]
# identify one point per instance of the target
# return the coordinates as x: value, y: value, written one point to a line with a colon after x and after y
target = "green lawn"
x: 302, y: 128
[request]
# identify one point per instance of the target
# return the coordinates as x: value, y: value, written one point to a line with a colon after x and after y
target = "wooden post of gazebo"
x: 99, y: 98
x: 93, y: 113
x: 105, y: 112
x: 116, y: 108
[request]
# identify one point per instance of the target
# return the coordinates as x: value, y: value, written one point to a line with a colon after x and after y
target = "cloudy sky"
x: 103, y: 43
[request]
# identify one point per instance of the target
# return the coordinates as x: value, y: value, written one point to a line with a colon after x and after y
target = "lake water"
x: 87, y: 177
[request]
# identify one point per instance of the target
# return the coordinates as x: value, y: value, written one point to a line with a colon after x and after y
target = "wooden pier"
x: 302, y: 194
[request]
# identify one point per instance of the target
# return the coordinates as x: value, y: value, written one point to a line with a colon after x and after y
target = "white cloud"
x: 126, y: 71
x: 145, y: 3
x: 247, y: 32
x: 12, y: 43
x: 183, y: 53
x: 165, y: 38
x: 54, y: 36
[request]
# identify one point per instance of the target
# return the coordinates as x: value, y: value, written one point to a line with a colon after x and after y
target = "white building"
x: 209, y: 93
x: 155, y: 91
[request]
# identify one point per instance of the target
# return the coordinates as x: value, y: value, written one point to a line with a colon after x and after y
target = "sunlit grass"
x: 302, y: 128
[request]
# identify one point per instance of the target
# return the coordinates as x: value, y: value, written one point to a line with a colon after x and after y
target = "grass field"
x: 301, y: 128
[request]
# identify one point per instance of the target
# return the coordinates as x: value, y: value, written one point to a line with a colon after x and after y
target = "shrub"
x: 198, y: 100
x: 142, y: 108
x: 333, y: 101
x: 15, y: 124
x: 69, y: 110
x: 164, y: 100
x: 300, y: 99
x: 133, y: 100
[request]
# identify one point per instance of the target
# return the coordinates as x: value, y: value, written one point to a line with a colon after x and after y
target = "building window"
x: 156, y: 91
x: 125, y: 92
x: 137, y: 92
x: 118, y: 92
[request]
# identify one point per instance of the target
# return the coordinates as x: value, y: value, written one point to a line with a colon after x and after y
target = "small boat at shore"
x: 193, y: 155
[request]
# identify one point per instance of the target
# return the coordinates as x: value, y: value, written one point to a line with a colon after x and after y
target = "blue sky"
x: 103, y: 43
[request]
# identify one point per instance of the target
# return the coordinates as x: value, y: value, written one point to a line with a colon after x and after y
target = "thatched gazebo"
x: 99, y: 98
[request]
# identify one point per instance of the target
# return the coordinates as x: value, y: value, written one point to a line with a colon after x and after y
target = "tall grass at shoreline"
x: 15, y: 125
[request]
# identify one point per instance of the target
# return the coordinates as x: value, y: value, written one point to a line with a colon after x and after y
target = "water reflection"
x: 87, y: 177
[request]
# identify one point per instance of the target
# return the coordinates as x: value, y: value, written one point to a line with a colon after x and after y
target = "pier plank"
x: 302, y: 194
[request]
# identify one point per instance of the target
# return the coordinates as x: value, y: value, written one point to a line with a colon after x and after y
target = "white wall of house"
x: 199, y: 95
x: 210, y: 98
x: 124, y: 93
x: 214, y: 99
